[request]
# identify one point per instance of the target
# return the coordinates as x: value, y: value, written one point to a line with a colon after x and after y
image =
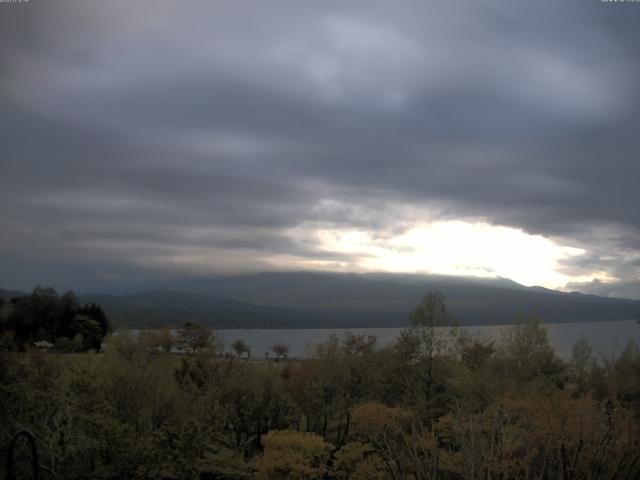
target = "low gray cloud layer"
x: 131, y: 131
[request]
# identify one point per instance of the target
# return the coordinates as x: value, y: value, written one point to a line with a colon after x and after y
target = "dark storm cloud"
x: 146, y: 129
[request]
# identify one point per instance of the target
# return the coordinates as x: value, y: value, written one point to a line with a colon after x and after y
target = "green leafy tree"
x: 526, y: 355
x: 96, y: 313
x: 583, y: 366
x: 240, y: 347
x: 431, y: 332
x: 475, y: 351
x: 90, y: 330
x: 194, y: 336
x: 44, y: 315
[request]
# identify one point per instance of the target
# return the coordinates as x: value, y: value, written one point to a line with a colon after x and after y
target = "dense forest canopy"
x: 59, y: 320
x: 435, y: 404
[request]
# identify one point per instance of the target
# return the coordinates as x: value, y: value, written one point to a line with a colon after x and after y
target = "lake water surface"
x: 607, y: 338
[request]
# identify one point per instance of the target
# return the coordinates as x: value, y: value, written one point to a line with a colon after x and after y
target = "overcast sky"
x: 147, y: 140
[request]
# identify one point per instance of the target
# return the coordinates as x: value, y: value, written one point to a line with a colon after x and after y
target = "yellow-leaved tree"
x: 293, y: 455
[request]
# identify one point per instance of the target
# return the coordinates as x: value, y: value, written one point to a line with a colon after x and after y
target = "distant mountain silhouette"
x: 166, y: 307
x: 316, y: 300
x: 9, y: 294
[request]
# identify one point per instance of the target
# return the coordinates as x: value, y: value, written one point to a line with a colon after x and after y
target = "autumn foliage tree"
x: 291, y: 455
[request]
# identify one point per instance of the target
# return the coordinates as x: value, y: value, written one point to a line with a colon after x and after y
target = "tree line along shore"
x: 436, y: 403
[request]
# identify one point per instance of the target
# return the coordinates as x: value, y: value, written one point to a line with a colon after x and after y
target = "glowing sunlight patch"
x: 457, y: 248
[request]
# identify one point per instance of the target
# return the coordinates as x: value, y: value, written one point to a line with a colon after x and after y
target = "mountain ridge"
x: 347, y: 300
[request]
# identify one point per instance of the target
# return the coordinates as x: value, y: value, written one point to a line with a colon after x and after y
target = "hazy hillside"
x: 389, y: 297
x: 308, y: 300
x: 9, y: 294
x: 159, y: 308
